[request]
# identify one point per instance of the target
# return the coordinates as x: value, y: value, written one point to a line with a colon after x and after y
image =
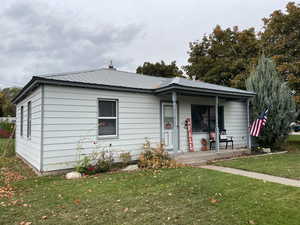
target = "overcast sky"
x: 39, y: 36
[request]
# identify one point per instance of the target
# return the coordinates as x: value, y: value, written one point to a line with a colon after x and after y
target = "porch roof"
x: 112, y: 79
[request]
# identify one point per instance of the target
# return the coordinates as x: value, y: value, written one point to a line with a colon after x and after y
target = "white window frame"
x: 116, y: 135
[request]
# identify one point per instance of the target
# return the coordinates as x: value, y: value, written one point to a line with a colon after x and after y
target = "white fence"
x: 8, y: 119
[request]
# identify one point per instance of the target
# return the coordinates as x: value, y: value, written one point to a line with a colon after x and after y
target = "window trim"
x: 22, y: 121
x: 29, y: 119
x: 114, y: 117
x: 209, y: 108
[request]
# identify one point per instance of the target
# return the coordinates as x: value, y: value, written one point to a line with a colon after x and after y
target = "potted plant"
x: 204, y: 143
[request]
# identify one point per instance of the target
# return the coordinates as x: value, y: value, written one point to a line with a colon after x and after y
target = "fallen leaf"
x: 252, y: 222
x: 77, y: 201
x: 44, y: 217
x: 25, y: 223
x: 212, y: 200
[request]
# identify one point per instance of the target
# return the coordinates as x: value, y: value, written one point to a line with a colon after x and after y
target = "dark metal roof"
x: 124, y: 81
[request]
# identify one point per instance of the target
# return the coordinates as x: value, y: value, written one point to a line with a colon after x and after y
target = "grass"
x: 4, y: 143
x: 283, y: 165
x: 169, y: 196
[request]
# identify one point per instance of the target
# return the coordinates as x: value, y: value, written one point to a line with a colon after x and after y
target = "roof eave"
x: 35, y: 81
x: 178, y: 87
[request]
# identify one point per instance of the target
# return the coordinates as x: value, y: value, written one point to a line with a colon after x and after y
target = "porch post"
x: 175, y: 122
x: 248, y: 124
x: 217, y: 124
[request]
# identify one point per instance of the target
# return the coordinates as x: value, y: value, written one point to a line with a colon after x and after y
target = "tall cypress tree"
x: 273, y: 93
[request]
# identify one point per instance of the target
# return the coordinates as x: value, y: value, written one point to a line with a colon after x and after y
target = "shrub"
x: 6, y: 129
x: 97, y: 162
x: 84, y: 165
x: 104, y: 163
x: 155, y: 158
x: 125, y: 158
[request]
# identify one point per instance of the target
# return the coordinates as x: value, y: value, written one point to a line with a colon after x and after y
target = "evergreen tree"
x: 273, y: 93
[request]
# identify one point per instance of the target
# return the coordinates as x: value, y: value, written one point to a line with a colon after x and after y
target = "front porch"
x: 210, y: 115
x: 202, y: 157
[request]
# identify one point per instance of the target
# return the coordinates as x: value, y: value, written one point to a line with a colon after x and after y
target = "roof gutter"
x: 36, y: 81
x: 202, y: 90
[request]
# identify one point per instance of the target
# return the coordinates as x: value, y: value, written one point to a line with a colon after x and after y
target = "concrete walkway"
x: 260, y: 176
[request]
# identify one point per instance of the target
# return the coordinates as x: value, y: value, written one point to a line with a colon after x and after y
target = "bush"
x: 104, y: 163
x: 84, y: 165
x: 97, y: 162
x: 125, y: 158
x: 6, y: 129
x: 155, y: 158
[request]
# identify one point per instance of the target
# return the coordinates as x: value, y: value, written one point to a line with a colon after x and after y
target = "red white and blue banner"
x: 259, y: 123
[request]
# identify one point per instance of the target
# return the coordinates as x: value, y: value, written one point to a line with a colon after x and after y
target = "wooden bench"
x: 223, y: 138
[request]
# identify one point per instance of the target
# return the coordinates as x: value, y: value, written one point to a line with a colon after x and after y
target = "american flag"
x: 259, y: 123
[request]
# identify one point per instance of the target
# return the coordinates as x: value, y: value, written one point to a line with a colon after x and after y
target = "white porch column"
x: 217, y: 124
x: 175, y: 122
x: 248, y: 124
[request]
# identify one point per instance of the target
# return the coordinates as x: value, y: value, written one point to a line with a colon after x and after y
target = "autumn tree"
x: 272, y: 93
x: 281, y: 40
x: 160, y: 69
x: 7, y: 108
x: 224, y: 57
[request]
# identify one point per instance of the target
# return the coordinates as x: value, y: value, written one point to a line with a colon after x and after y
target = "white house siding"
x: 235, y: 121
x: 70, y: 124
x: 30, y: 148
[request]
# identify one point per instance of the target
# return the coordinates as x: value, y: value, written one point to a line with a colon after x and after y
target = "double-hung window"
x: 107, y: 117
x: 21, y: 121
x: 29, y: 117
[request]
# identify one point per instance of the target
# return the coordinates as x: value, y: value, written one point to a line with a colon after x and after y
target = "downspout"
x: 175, y: 123
x: 217, y: 124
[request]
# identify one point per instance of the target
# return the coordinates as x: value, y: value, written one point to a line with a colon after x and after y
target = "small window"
x: 204, y: 118
x: 29, y: 119
x: 21, y: 120
x: 107, y: 117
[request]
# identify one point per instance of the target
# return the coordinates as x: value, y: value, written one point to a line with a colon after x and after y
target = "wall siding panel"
x: 30, y: 148
x: 70, y: 124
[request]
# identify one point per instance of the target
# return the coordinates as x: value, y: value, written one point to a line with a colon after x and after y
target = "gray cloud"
x: 37, y: 39
x: 40, y: 36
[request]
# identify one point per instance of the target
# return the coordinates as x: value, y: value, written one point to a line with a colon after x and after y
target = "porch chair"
x: 222, y: 138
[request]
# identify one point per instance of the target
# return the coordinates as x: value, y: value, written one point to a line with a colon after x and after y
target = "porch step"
x: 201, y: 158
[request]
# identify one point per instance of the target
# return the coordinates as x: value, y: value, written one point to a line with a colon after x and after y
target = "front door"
x: 167, y: 125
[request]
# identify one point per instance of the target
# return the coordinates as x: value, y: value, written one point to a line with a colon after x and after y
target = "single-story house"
x: 60, y: 115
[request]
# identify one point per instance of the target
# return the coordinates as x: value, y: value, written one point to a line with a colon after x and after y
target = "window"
x: 21, y: 120
x: 204, y: 118
x: 29, y: 119
x: 107, y: 117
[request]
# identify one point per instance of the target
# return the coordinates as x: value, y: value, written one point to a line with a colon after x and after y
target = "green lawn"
x: 284, y: 165
x: 170, y: 196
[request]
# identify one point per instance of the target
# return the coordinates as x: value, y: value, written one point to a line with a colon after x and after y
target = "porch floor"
x: 202, y: 157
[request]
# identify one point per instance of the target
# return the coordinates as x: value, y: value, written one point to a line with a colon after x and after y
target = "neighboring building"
x: 59, y: 114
